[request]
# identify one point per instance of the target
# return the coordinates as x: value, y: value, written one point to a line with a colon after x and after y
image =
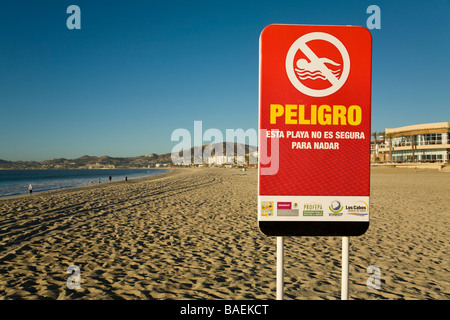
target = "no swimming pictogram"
x: 302, y: 72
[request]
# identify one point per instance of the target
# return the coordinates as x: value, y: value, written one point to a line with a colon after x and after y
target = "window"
x: 432, y: 138
x: 432, y: 157
x: 401, y: 141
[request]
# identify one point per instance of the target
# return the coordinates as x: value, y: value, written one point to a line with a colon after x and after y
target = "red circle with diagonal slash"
x: 314, y: 79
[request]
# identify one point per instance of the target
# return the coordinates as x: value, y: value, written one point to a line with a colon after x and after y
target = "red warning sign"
x: 315, y: 104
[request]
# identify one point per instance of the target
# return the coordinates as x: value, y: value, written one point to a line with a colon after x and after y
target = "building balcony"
x: 417, y: 147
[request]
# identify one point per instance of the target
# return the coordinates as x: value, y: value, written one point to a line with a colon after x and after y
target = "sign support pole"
x: 344, y: 284
x: 280, y: 265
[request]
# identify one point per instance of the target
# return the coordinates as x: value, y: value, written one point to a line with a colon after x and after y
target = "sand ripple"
x: 192, y: 234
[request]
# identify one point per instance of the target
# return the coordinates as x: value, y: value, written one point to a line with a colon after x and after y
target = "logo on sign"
x: 335, y: 208
x: 285, y: 209
x: 360, y: 208
x: 267, y: 208
x: 312, y: 209
x: 317, y: 64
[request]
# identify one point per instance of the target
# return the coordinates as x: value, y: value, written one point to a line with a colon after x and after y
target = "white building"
x: 220, y: 160
x: 417, y: 143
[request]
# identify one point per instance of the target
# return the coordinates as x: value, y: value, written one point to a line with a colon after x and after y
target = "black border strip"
x: 313, y: 228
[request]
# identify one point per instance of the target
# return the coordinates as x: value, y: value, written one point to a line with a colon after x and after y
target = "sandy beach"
x: 193, y: 234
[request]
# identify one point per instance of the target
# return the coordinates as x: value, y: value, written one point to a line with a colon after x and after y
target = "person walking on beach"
x: 110, y: 178
x: 30, y: 188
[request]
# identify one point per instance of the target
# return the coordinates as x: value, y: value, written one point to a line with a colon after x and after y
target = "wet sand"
x: 193, y: 234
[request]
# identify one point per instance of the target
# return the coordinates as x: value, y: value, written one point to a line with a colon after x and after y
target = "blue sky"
x: 138, y: 70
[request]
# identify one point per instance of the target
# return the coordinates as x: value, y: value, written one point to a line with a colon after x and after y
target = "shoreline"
x: 128, y: 168
x: 84, y: 186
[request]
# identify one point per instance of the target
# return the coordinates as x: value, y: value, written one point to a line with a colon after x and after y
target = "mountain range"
x: 145, y: 161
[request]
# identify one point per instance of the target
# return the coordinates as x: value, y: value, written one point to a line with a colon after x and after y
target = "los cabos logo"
x: 360, y: 208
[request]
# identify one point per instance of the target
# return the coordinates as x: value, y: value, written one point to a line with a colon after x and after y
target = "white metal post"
x: 344, y: 284
x: 280, y: 266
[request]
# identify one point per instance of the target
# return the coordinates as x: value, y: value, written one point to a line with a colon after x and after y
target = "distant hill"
x: 145, y: 161
x: 4, y: 164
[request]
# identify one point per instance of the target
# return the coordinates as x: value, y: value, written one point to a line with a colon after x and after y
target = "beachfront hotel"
x: 221, y: 160
x: 417, y: 143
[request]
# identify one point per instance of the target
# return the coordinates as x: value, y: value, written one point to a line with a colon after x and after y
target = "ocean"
x: 16, y: 182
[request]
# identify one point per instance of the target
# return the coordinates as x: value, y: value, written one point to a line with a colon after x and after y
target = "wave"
x: 304, y: 71
x: 313, y: 78
x: 15, y: 182
x: 314, y: 75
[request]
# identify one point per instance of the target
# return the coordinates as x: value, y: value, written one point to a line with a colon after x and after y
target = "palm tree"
x: 383, y: 134
x: 390, y: 146
x: 374, y: 146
